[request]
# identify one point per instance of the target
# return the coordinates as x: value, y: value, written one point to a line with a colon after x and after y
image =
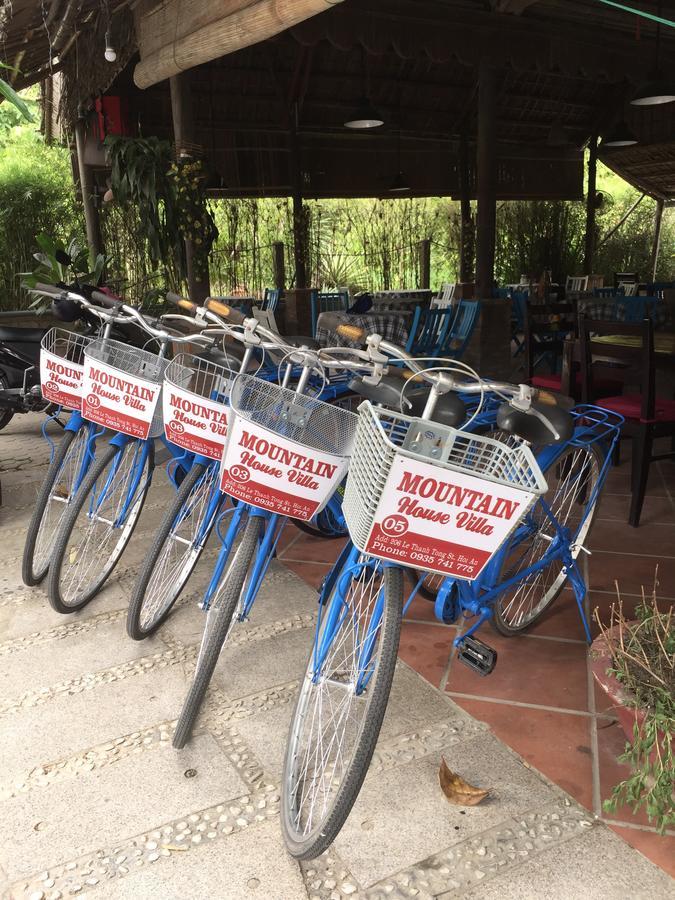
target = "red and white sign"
x: 269, y: 471
x: 61, y: 380
x: 118, y: 401
x: 194, y: 423
x: 443, y: 521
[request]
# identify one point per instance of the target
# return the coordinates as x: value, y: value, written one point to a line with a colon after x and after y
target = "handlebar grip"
x: 49, y: 289
x: 220, y: 309
x: 351, y: 333
x: 101, y: 299
x: 181, y: 302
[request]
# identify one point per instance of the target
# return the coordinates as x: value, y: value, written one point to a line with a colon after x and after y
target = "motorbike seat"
x: 22, y: 335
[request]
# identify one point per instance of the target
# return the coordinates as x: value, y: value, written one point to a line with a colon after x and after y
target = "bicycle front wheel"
x: 572, y: 497
x: 219, y: 621
x: 342, y: 700
x: 98, y: 524
x: 175, y: 551
x: 52, y: 502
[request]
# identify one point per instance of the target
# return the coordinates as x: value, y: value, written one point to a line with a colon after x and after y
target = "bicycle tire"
x: 68, y: 522
x: 215, y: 634
x: 322, y: 835
x: 503, y: 605
x: 33, y: 573
x: 137, y: 628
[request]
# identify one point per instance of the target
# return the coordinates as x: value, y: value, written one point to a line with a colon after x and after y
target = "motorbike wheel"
x: 6, y: 415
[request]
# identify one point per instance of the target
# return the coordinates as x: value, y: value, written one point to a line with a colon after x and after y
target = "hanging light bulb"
x: 364, y: 116
x: 110, y: 52
x: 619, y: 136
x: 657, y: 89
x: 399, y: 185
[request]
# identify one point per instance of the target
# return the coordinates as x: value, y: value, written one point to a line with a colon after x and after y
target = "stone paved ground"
x: 94, y: 802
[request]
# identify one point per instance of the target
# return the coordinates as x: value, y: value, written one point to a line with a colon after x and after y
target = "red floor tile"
x: 420, y: 608
x: 310, y: 549
x: 618, y: 480
x: 659, y: 848
x: 312, y: 573
x: 427, y: 648
x: 649, y: 539
x: 632, y: 573
x: 655, y: 510
x: 561, y: 619
x: 529, y: 670
x: 557, y: 744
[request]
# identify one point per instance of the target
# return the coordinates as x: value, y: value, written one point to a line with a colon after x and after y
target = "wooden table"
x: 664, y: 345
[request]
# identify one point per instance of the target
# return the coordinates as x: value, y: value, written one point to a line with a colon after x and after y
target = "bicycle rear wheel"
x: 99, y: 523
x: 572, y: 479
x: 175, y: 551
x: 219, y: 621
x: 52, y: 502
x: 342, y: 700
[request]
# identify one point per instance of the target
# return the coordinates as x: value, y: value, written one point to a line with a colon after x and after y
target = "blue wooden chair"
x: 605, y: 292
x: 443, y: 333
x: 461, y: 329
x: 333, y: 301
x: 428, y: 331
x: 271, y: 299
x: 635, y: 309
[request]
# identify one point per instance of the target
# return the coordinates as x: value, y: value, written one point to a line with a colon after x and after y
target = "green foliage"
x: 58, y: 264
x: 644, y: 662
x: 18, y: 102
x: 36, y: 196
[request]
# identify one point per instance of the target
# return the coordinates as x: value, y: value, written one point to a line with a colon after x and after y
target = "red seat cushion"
x: 630, y: 405
x: 602, y: 386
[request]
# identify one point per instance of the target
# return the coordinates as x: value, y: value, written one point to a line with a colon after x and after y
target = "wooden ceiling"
x: 567, y: 65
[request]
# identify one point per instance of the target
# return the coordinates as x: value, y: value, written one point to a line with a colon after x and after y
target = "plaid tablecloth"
x: 611, y: 311
x: 392, y: 327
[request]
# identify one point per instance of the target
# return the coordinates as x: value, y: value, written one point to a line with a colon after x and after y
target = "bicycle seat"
x: 449, y: 410
x: 22, y: 335
x: 530, y: 427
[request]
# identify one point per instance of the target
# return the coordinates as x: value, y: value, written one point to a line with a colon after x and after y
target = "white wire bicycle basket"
x: 62, y: 367
x: 195, y: 398
x: 285, y: 452
x: 122, y: 388
x: 434, y: 498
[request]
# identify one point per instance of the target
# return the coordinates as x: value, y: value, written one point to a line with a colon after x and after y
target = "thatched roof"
x: 569, y: 63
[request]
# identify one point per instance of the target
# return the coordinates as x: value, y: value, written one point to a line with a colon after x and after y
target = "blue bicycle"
x: 503, y: 527
x: 106, y: 497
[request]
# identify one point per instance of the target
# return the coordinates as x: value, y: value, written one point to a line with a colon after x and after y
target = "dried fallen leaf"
x: 457, y: 790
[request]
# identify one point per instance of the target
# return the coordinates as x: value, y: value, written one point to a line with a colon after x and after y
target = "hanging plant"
x: 195, y: 221
x: 169, y: 197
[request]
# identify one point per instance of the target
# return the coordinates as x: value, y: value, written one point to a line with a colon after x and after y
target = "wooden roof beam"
x: 513, y: 7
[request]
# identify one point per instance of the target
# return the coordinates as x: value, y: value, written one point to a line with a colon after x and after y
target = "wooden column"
x: 466, y: 232
x: 299, y: 219
x: 487, y: 180
x: 589, y: 246
x: 658, y: 219
x: 184, y: 139
x: 47, y: 92
x: 424, y: 248
x: 91, y: 217
x: 279, y: 263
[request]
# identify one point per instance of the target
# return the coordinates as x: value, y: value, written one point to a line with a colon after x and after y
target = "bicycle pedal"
x: 477, y: 655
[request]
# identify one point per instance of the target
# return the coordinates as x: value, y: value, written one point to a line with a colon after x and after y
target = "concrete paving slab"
x: 74, y: 816
x: 402, y: 816
x: 94, y: 717
x: 236, y: 869
x: 246, y: 668
x: 592, y: 866
x: 54, y: 661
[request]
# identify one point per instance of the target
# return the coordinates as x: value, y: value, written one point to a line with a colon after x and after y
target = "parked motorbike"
x: 19, y: 372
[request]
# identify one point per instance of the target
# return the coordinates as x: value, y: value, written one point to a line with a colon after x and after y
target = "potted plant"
x: 633, y: 661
